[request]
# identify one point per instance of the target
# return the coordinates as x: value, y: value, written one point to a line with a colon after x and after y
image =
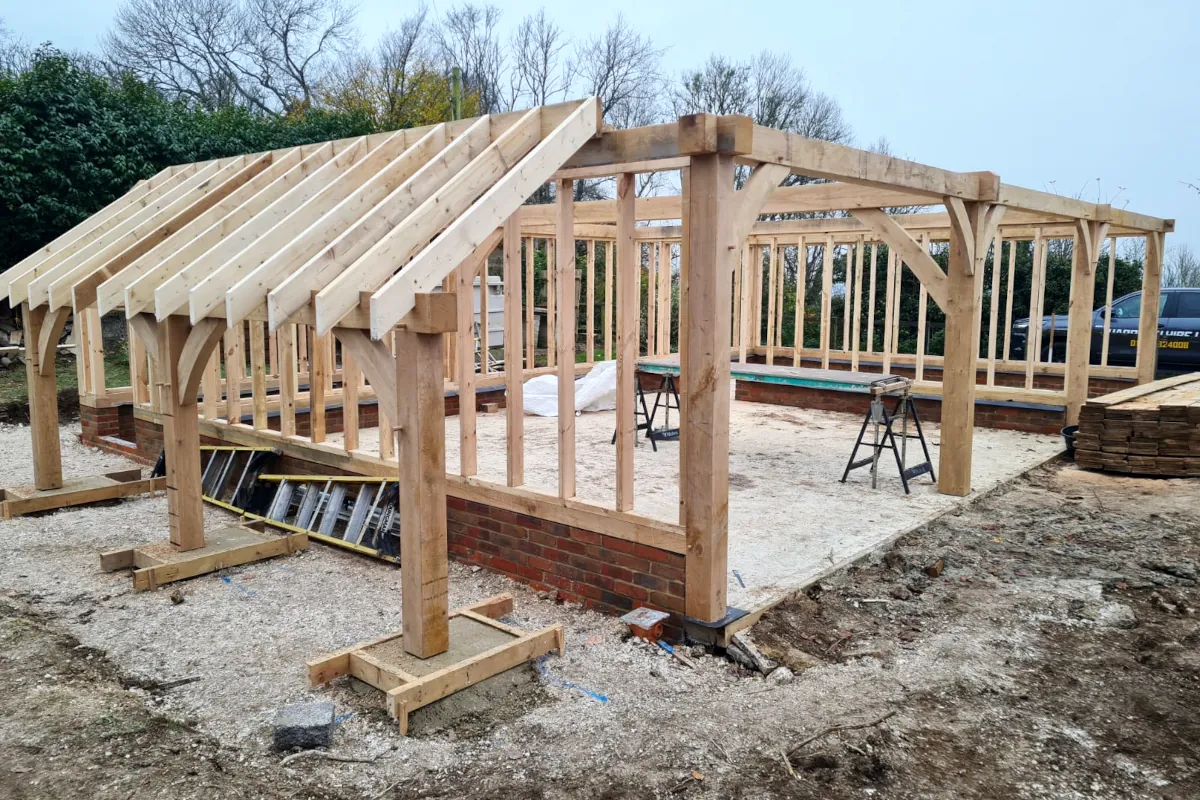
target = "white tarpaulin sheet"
x: 596, y: 391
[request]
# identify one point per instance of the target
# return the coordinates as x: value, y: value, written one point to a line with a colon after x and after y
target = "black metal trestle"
x: 884, y: 434
x: 666, y: 397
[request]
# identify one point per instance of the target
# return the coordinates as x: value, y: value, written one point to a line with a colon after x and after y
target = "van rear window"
x: 1189, y: 304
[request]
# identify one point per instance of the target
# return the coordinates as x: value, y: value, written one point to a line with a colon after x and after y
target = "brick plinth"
x: 1096, y: 385
x: 1005, y: 416
x: 601, y: 572
x: 1033, y: 418
x: 112, y: 429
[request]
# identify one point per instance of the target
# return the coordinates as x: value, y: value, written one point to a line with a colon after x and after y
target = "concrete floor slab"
x: 790, y: 519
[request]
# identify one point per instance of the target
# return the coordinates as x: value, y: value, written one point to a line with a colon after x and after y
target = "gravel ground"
x: 984, y: 666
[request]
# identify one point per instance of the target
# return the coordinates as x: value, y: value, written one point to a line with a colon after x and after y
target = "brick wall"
x: 98, y: 422
x: 601, y: 572
x: 482, y: 398
x: 119, y: 421
x: 988, y: 414
x: 1096, y: 386
x: 112, y: 429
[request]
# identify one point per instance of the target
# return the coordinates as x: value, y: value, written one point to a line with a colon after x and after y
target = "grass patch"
x: 116, y: 373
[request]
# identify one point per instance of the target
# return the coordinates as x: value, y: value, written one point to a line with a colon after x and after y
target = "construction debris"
x: 646, y: 623
x: 742, y: 650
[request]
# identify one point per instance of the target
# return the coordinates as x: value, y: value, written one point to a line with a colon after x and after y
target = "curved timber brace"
x: 197, y: 350
x: 1089, y: 236
x: 146, y: 328
x: 48, y: 336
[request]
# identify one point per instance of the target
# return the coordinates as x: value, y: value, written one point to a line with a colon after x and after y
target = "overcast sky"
x: 1050, y: 95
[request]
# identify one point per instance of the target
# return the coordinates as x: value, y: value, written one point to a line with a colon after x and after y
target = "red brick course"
x: 1096, y: 386
x: 1005, y: 416
x: 988, y: 414
x: 600, y: 572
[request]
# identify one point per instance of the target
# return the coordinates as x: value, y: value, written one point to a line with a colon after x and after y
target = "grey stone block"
x: 304, y: 725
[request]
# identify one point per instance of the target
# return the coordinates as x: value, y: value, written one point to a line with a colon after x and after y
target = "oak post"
x: 711, y: 260
x: 43, y: 402
x: 1147, y: 342
x: 181, y: 440
x: 963, y: 286
x: 421, y: 452
x: 1079, y: 317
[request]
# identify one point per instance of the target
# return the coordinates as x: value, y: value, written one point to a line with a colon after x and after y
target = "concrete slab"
x: 790, y: 520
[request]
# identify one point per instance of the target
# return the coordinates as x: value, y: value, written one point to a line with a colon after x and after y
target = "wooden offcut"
x: 154, y: 565
x: 16, y: 501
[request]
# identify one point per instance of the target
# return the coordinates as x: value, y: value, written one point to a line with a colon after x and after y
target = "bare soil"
x: 72, y: 727
x: 1038, y: 643
x: 1087, y: 685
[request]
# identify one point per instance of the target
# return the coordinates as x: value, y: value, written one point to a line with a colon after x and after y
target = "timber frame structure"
x: 321, y: 265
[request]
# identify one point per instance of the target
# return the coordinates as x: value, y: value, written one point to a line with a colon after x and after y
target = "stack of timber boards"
x: 1153, y: 429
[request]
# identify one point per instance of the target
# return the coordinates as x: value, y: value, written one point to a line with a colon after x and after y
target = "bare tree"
x: 1182, y: 268
x: 540, y: 72
x: 784, y: 99
x: 185, y: 48
x: 720, y: 86
x: 15, y: 54
x: 622, y: 68
x: 289, y: 46
x: 468, y: 39
x: 769, y: 88
x: 269, y: 55
x: 392, y: 82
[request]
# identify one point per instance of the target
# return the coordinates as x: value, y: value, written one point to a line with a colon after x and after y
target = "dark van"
x: 1178, y: 332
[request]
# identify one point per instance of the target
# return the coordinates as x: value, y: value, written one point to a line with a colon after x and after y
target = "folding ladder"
x: 358, y: 511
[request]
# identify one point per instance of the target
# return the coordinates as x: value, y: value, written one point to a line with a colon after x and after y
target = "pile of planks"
x: 1152, y: 429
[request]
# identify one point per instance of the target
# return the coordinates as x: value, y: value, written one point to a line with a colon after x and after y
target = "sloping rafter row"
x: 327, y: 225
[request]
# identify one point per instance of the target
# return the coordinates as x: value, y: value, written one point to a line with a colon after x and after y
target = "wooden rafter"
x: 197, y: 236
x: 476, y: 221
x: 83, y: 235
x: 37, y: 289
x: 254, y: 242
x: 417, y: 164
